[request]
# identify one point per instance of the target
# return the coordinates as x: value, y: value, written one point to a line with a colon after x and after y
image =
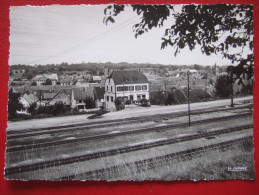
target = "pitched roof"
x: 128, y: 77
x: 96, y: 78
x: 47, y: 96
x: 50, y: 87
x: 81, y: 94
x: 53, y: 76
x: 30, y: 98
x: 66, y: 80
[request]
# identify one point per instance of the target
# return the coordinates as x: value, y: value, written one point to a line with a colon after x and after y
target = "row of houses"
x: 119, y: 85
x: 123, y: 85
x: 66, y: 80
x: 71, y: 96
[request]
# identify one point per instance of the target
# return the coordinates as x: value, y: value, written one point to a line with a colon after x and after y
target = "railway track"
x: 86, y: 126
x: 151, y: 163
x: 128, y: 132
x: 142, y: 146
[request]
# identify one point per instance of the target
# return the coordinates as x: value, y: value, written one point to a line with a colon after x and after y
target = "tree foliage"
x: 48, y: 82
x: 58, y: 109
x: 32, y: 109
x: 89, y: 103
x: 223, y: 86
x: 170, y: 99
x: 225, y: 29
x: 14, y: 104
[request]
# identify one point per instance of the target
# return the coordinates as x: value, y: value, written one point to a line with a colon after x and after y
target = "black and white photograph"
x: 130, y: 92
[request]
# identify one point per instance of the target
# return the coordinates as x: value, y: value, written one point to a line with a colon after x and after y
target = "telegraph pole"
x: 231, y: 95
x: 206, y: 85
x: 189, y: 111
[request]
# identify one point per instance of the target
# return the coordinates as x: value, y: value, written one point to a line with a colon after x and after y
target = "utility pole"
x: 231, y: 95
x: 40, y: 98
x: 206, y: 85
x: 189, y: 111
x: 123, y: 93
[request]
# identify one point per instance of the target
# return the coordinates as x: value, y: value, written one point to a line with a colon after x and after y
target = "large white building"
x: 41, y: 79
x: 125, y: 85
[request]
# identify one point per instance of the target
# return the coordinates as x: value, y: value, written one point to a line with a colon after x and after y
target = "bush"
x: 144, y: 102
x: 32, y: 109
x: 128, y: 102
x: 19, y: 117
x: 223, y: 86
x: 89, y: 103
x: 157, y: 98
x: 14, y: 104
x: 44, y: 110
x: 58, y: 109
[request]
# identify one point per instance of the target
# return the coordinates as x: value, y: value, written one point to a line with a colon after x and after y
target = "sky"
x: 75, y: 34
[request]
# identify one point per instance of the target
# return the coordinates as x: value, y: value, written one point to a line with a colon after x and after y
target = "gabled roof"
x: 67, y: 91
x: 97, y: 78
x: 48, y: 96
x: 40, y: 77
x: 66, y: 80
x: 128, y: 77
x: 50, y: 87
x: 30, y: 98
x: 81, y: 94
x: 53, y: 76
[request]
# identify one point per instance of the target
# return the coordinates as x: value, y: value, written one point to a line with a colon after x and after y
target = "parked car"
x: 144, y: 102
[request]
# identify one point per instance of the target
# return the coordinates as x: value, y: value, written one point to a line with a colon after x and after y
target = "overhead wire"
x: 89, y: 41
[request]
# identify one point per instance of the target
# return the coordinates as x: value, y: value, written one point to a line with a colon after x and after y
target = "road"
x: 132, y: 111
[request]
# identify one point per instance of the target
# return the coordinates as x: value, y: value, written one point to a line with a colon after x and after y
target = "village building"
x: 63, y: 96
x: 66, y: 81
x: 41, y: 79
x: 79, y: 96
x: 97, y: 79
x: 28, y: 99
x: 125, y: 85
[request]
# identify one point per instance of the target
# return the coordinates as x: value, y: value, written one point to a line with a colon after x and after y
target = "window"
x: 111, y: 98
x: 143, y: 96
x: 125, y: 88
x: 131, y: 88
x: 137, y: 88
x: 107, y: 88
x: 111, y: 88
x: 119, y: 88
x: 144, y: 87
x: 107, y: 98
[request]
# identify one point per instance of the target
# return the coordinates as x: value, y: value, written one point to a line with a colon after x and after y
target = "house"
x: 63, y: 96
x: 97, y: 79
x: 125, y: 85
x: 28, y: 99
x: 66, y: 81
x: 47, y: 93
x: 79, y: 96
x: 41, y: 79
